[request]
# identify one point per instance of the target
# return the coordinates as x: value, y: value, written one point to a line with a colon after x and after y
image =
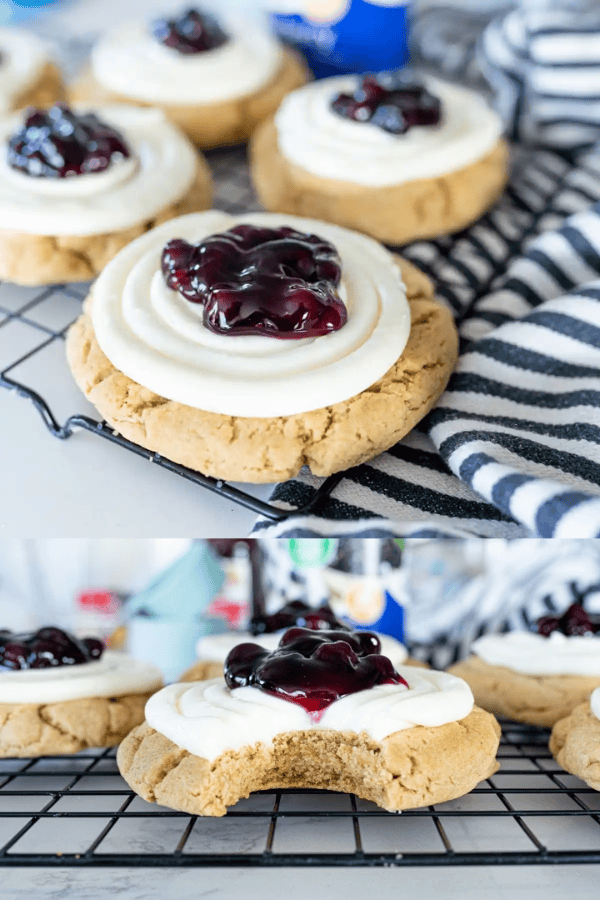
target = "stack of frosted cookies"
x: 59, y: 694
x: 325, y: 709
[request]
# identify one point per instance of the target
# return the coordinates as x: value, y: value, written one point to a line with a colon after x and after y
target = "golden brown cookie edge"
x: 211, y: 125
x: 50, y: 729
x: 34, y: 260
x: 536, y: 700
x: 274, y: 449
x: 575, y: 744
x: 394, y: 214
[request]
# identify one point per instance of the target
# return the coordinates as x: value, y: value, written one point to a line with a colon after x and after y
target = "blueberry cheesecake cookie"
x: 28, y: 77
x: 59, y: 694
x: 77, y: 186
x: 248, y: 347
x: 394, y: 158
x: 217, y: 80
x: 324, y: 710
x: 536, y: 677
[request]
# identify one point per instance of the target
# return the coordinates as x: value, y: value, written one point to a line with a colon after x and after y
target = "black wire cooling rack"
x: 33, y: 325
x: 77, y: 811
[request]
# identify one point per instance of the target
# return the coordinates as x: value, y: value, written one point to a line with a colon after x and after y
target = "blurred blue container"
x: 340, y: 36
x: 13, y: 12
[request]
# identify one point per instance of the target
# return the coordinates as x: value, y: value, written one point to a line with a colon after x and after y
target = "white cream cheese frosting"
x: 533, y: 654
x: 595, y: 703
x: 113, y: 675
x: 129, y: 61
x: 22, y: 58
x: 312, y: 135
x: 162, y: 167
x: 206, y: 718
x: 157, y: 338
x: 216, y: 647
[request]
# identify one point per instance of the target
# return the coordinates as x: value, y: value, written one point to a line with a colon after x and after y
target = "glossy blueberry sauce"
x: 296, y: 612
x: 58, y: 143
x: 46, y: 648
x: 275, y: 282
x: 190, y: 33
x: 312, y: 668
x: 390, y: 103
x: 575, y: 620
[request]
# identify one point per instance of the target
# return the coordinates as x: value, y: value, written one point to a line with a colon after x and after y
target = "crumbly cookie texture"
x: 410, y: 768
x: 575, y: 744
x: 203, y: 670
x: 535, y: 699
x: 32, y: 260
x: 212, y: 124
x: 46, y: 89
x: 394, y: 214
x: 28, y: 729
x: 275, y: 449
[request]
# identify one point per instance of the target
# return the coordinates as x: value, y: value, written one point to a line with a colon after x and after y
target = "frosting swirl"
x: 162, y: 167
x: 206, y: 718
x: 534, y: 654
x: 131, y: 62
x: 318, y: 140
x: 114, y: 675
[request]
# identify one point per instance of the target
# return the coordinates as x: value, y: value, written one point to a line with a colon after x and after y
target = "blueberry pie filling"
x: 190, y: 33
x: 299, y: 613
x: 59, y: 143
x: 574, y: 621
x: 276, y: 282
x: 48, y: 647
x: 312, y: 668
x: 391, y: 104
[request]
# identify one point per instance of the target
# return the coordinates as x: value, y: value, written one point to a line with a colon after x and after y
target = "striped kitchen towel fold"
x: 513, y: 447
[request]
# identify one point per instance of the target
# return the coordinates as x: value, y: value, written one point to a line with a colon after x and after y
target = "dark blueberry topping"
x: 45, y: 648
x: 312, y: 668
x: 192, y: 32
x: 390, y: 103
x: 271, y: 281
x: 296, y: 612
x: 574, y: 621
x: 58, y: 143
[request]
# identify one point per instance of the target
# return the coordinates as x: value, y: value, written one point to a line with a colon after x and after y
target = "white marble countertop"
x: 440, y: 883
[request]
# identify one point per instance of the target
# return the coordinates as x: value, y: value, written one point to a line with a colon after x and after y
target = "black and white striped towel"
x: 513, y: 447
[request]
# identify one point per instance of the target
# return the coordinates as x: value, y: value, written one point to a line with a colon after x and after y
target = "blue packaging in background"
x: 342, y: 36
